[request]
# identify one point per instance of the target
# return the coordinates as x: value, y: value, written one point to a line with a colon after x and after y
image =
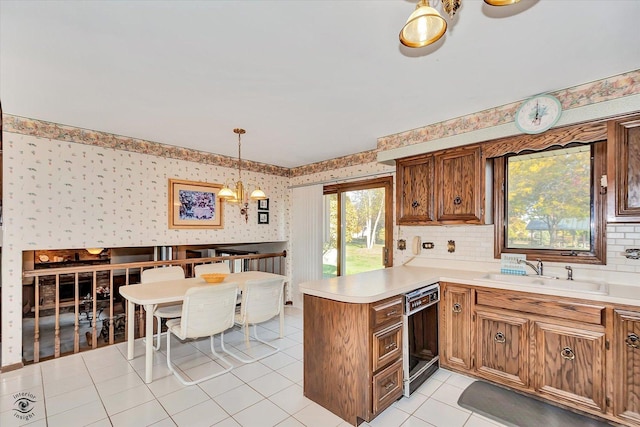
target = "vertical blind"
x: 306, y: 236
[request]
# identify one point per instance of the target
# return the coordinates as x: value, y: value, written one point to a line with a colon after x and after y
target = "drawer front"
x: 387, y: 387
x: 542, y: 305
x: 387, y: 346
x: 386, y: 311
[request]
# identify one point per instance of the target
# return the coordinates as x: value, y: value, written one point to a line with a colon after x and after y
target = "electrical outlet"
x: 428, y: 245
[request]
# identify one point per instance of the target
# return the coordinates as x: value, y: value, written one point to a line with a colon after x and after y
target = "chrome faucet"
x: 538, y: 269
x: 569, y: 272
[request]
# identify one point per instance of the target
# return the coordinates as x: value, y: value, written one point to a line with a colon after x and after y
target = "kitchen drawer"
x: 387, y: 387
x: 387, y: 346
x: 386, y: 311
x: 542, y: 305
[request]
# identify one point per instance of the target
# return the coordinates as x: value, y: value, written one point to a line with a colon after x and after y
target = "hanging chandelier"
x: 425, y: 25
x: 237, y: 194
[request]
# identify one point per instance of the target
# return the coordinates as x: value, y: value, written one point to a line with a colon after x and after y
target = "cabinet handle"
x: 390, y: 385
x: 392, y: 313
x: 499, y: 338
x: 457, y: 308
x: 567, y: 353
x: 415, y: 204
x: 457, y: 200
x: 390, y: 346
x: 632, y: 340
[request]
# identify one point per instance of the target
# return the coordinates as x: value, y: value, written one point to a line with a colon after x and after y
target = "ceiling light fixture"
x: 425, y: 25
x: 237, y: 194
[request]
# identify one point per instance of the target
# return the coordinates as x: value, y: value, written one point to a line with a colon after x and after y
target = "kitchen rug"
x: 517, y: 410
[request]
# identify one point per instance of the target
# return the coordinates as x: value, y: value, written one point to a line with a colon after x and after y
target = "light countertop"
x: 376, y: 285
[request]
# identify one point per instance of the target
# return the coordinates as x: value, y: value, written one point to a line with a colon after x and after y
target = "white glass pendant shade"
x: 501, y: 2
x: 424, y: 26
x: 227, y: 193
x: 258, y: 194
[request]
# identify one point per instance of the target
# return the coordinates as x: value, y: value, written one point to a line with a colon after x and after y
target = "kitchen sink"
x: 585, y: 286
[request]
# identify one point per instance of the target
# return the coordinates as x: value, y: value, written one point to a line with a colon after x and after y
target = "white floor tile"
x: 140, y: 415
x: 127, y: 399
x: 440, y: 414
x: 390, y: 417
x: 278, y: 360
x: 251, y: 371
x: 119, y: 384
x: 416, y: 422
x: 205, y: 414
x: 429, y: 386
x: 291, y: 399
x: 167, y: 422
x: 293, y: 372
x: 165, y: 385
x: 182, y: 399
x: 270, y: 384
x: 262, y: 414
x: 13, y: 382
x: 22, y: 407
x: 411, y: 403
x: 219, y: 385
x: 479, y: 421
x: 238, y: 399
x: 88, y: 414
x: 449, y: 394
x: 291, y: 422
x: 314, y: 415
x: 71, y: 400
x: 227, y: 422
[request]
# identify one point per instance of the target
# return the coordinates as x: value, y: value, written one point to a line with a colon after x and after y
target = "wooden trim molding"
x: 583, y: 133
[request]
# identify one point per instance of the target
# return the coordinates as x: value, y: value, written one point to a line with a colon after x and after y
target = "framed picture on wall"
x: 263, y: 205
x: 194, y: 204
x: 263, y: 217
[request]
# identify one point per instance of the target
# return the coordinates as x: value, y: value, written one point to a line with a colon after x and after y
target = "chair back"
x: 160, y: 274
x: 261, y: 300
x: 216, y: 267
x: 208, y: 310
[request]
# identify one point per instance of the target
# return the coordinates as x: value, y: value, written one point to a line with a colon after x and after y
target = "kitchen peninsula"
x: 353, y: 340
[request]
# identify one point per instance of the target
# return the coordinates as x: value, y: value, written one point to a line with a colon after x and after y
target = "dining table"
x: 173, y: 291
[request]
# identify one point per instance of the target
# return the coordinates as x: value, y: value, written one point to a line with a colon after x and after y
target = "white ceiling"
x: 308, y: 80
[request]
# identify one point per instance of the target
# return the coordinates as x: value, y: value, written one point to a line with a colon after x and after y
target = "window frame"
x: 597, y: 255
x: 339, y: 189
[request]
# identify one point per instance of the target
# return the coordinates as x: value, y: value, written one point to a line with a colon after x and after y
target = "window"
x: 549, y: 204
x: 358, y: 225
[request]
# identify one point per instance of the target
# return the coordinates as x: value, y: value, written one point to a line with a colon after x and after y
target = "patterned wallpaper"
x: 66, y: 187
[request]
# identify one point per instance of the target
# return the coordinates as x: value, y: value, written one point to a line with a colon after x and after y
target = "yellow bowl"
x: 213, y: 277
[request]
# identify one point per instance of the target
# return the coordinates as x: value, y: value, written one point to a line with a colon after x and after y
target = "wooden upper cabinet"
x: 414, y: 190
x: 444, y: 187
x: 459, y: 177
x: 623, y: 164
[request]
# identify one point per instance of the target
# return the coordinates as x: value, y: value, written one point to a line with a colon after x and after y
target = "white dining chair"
x: 261, y: 301
x: 206, y: 311
x: 216, y: 267
x: 163, y: 311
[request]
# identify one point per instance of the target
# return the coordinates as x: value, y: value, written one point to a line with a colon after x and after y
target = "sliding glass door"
x: 358, y: 226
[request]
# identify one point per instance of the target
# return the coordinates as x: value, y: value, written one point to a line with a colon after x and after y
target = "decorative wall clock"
x: 538, y: 114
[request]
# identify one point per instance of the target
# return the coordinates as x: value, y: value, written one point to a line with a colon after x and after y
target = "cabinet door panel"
x: 570, y: 365
x: 460, y: 177
x: 502, y: 348
x: 623, y: 154
x: 627, y: 365
x: 414, y: 190
x: 456, y: 316
x: 387, y: 346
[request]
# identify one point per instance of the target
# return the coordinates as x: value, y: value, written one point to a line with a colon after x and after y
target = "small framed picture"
x: 263, y: 217
x: 263, y: 205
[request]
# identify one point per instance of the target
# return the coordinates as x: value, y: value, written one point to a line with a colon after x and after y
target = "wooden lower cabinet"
x: 626, y: 356
x: 502, y: 347
x: 570, y: 364
x: 455, y: 318
x: 353, y: 356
